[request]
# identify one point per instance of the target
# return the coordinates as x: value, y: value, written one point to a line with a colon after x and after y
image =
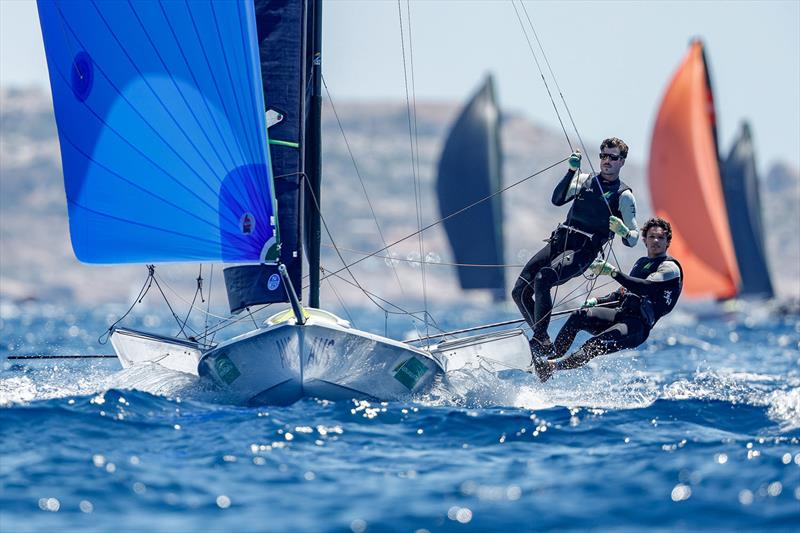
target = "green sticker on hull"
x: 409, y: 372
x: 226, y: 370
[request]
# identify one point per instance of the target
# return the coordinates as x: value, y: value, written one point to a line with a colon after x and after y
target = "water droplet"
x: 746, y: 497
x: 433, y: 257
x: 49, y: 504
x: 681, y: 492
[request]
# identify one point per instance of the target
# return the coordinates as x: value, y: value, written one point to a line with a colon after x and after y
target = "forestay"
x: 161, y: 121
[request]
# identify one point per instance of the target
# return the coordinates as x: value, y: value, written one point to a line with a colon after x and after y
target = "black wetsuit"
x: 641, y: 303
x: 567, y: 253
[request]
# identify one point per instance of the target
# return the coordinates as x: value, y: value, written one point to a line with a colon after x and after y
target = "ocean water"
x: 697, y: 430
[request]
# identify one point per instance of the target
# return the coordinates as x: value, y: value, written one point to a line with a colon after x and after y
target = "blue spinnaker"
x: 160, y: 116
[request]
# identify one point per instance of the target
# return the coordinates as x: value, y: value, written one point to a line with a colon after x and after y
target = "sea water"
x: 698, y: 429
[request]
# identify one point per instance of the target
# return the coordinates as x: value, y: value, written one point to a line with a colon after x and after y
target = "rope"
x: 341, y: 258
x: 400, y: 311
x: 451, y: 215
x: 541, y: 74
x: 363, y: 187
x: 411, y: 104
x: 102, y: 339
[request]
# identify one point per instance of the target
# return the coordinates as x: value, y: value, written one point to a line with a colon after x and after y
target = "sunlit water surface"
x: 699, y: 429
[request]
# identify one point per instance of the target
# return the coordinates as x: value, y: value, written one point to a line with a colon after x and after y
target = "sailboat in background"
x: 162, y: 111
x: 714, y: 208
x: 470, y: 169
x: 741, y: 186
x: 685, y: 181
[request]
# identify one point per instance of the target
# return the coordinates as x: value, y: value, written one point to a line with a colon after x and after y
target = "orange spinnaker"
x: 685, y: 185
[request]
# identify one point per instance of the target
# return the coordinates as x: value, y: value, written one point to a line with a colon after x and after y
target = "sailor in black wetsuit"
x: 648, y: 293
x: 602, y: 206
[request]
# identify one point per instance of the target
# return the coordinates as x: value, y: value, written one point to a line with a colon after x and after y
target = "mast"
x: 314, y: 154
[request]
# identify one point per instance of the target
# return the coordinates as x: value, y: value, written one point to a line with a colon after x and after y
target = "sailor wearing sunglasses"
x: 602, y: 206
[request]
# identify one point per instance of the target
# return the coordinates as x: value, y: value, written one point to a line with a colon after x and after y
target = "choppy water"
x: 700, y: 429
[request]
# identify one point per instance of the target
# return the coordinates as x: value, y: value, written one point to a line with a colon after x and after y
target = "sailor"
x: 602, y: 206
x: 649, y: 292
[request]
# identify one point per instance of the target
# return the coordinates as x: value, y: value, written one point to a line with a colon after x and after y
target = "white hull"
x: 323, y: 358
x: 137, y: 347
x: 282, y: 363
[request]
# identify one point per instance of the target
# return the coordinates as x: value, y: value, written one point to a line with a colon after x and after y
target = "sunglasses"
x: 610, y: 156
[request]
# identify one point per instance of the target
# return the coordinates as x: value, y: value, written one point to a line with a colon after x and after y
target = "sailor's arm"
x: 627, y: 207
x: 666, y: 271
x: 611, y: 297
x: 568, y: 187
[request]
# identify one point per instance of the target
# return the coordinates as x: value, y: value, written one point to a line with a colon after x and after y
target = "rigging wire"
x: 594, y: 175
x: 363, y: 185
x: 341, y: 302
x: 400, y: 310
x: 541, y: 73
x: 453, y: 214
x: 341, y: 258
x: 411, y: 104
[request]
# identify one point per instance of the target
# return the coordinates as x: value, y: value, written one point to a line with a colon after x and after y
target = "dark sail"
x: 282, y: 28
x: 740, y: 184
x: 470, y: 169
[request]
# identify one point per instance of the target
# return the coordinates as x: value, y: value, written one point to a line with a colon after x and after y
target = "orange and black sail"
x: 685, y: 186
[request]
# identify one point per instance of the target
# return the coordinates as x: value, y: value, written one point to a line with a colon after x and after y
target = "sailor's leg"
x: 576, y: 322
x: 523, y: 290
x: 563, y: 267
x: 619, y: 336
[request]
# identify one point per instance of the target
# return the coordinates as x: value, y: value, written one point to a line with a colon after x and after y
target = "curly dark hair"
x: 658, y: 222
x: 613, y: 142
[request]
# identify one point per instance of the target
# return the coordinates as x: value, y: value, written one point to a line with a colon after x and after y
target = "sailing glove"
x: 575, y: 160
x: 617, y: 226
x: 590, y: 302
x: 601, y: 267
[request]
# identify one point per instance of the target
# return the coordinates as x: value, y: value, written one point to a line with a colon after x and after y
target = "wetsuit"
x: 574, y: 244
x: 648, y: 293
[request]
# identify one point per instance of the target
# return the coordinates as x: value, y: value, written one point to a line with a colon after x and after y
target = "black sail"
x: 742, y: 198
x: 470, y: 169
x: 282, y: 27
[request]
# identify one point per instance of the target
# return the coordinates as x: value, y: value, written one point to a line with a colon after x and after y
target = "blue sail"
x: 742, y: 198
x: 163, y: 139
x: 282, y: 27
x: 470, y: 169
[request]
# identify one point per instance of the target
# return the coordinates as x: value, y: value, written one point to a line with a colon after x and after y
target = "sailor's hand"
x: 617, y: 226
x: 591, y: 302
x: 575, y: 160
x: 601, y: 267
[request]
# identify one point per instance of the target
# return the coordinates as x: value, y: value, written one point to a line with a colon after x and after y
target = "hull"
x: 495, y: 352
x: 283, y: 363
x: 137, y: 347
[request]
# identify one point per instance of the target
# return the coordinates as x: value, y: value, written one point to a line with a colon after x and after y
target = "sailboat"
x: 190, y: 132
x: 740, y: 184
x: 470, y: 169
x: 685, y: 181
x: 714, y: 208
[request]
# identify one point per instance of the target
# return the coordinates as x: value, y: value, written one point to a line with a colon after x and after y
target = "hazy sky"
x: 611, y: 59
